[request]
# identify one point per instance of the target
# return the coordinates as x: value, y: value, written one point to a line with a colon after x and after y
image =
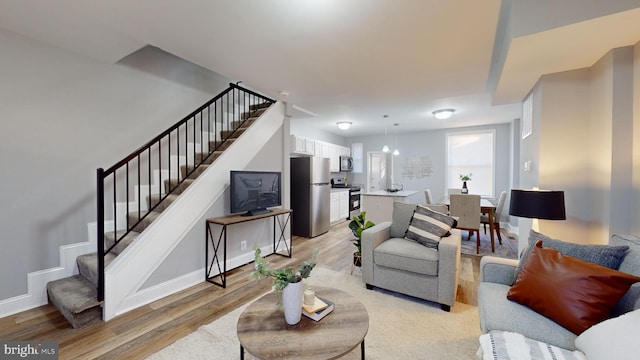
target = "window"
x: 471, y: 152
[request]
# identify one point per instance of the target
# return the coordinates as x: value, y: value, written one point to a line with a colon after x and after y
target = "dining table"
x: 486, y: 207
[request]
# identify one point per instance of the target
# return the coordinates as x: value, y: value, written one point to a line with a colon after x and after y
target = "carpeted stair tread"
x: 210, y: 159
x: 227, y: 133
x: 244, y: 123
x: 194, y: 173
x: 145, y: 222
x: 164, y: 204
x: 88, y: 265
x: 76, y: 299
x: 221, y: 147
x: 176, y: 186
x: 109, y: 240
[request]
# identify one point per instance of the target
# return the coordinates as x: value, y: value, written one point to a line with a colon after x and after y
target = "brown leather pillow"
x: 574, y: 293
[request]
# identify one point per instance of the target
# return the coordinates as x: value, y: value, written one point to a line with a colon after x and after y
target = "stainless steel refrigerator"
x: 310, y: 196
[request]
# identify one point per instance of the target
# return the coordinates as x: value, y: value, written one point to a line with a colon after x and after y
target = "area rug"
x: 400, y: 327
x: 508, y: 249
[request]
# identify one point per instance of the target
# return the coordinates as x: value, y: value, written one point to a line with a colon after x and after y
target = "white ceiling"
x: 350, y: 60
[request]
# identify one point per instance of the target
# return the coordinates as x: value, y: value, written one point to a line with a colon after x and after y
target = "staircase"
x: 139, y: 192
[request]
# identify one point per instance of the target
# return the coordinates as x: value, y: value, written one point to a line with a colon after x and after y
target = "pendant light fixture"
x: 396, y: 152
x: 385, y: 148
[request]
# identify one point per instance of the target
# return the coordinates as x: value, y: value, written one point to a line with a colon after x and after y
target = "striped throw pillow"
x: 427, y: 227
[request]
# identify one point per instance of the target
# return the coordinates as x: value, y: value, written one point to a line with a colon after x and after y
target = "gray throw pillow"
x: 605, y: 255
x: 427, y: 227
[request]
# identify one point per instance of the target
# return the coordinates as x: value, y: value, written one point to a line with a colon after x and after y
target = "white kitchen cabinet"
x: 302, y: 145
x: 334, y: 207
x: 344, y: 151
x: 339, y: 205
x: 344, y: 204
x: 317, y: 149
x: 309, y: 146
x: 305, y: 146
x: 334, y: 158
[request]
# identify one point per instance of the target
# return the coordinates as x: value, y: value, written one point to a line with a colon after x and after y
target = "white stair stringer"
x: 128, y: 272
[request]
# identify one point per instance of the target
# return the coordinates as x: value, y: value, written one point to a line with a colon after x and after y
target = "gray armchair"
x: 389, y: 261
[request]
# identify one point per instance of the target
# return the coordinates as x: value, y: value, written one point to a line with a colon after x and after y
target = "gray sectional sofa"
x: 497, y: 313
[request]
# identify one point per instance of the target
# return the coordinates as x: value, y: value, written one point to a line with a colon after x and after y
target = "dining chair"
x: 484, y: 218
x: 441, y: 208
x: 454, y: 191
x: 466, y: 208
x: 427, y: 196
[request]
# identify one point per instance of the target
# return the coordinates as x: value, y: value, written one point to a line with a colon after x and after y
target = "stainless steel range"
x: 354, y: 201
x: 354, y: 195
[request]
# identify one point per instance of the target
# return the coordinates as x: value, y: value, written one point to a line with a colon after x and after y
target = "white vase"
x: 292, y: 302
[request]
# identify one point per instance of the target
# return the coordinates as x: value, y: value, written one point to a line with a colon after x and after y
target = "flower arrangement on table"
x: 466, y: 177
x: 285, y: 276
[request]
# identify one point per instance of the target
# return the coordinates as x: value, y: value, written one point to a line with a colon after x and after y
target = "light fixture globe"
x: 344, y: 125
x: 443, y: 114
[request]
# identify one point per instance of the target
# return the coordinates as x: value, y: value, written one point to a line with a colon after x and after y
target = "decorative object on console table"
x: 286, y: 282
x: 319, y: 314
x: 464, y: 179
x: 357, y: 226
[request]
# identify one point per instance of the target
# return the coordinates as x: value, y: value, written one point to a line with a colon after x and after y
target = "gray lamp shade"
x: 537, y: 204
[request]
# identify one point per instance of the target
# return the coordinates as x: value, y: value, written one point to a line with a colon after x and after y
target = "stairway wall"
x: 130, y: 270
x: 189, y: 256
x: 57, y: 110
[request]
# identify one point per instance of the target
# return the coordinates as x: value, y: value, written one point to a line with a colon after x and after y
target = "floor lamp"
x: 537, y: 204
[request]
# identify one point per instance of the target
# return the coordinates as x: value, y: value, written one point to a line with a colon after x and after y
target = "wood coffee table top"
x: 263, y: 332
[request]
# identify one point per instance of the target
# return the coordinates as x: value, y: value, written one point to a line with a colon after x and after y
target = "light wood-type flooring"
x: 148, y: 329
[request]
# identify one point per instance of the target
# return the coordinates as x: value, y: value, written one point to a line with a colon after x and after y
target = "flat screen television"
x: 253, y: 192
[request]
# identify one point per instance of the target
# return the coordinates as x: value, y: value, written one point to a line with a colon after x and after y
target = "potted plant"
x: 357, y: 226
x: 464, y: 178
x: 287, y: 282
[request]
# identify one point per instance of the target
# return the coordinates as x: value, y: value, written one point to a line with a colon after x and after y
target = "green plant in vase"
x: 285, y: 276
x: 357, y: 226
x: 464, y: 178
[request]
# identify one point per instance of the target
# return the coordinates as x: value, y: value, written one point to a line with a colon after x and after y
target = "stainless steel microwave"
x: 346, y: 163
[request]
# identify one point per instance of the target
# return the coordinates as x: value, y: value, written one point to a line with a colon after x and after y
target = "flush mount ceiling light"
x: 443, y: 114
x: 344, y: 125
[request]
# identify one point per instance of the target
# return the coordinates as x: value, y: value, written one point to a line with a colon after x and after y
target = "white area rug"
x: 400, y: 327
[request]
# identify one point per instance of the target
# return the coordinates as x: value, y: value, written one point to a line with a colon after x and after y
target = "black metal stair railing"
x: 211, y: 127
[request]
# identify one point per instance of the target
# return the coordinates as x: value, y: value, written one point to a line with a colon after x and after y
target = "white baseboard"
x: 37, y: 281
x: 157, y: 292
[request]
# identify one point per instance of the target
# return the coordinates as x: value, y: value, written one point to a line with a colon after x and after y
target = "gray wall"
x: 432, y: 146
x: 582, y: 143
x: 64, y: 115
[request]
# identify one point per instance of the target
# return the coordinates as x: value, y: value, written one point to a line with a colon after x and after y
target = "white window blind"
x: 472, y: 153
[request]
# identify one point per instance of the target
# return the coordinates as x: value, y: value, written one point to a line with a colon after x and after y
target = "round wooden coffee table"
x: 263, y: 332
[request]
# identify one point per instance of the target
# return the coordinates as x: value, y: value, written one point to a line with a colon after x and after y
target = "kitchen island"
x: 379, y: 204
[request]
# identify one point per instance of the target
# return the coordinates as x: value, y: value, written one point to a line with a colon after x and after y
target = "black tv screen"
x: 252, y: 192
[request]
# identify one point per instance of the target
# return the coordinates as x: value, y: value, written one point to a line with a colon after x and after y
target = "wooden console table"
x: 225, y: 221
